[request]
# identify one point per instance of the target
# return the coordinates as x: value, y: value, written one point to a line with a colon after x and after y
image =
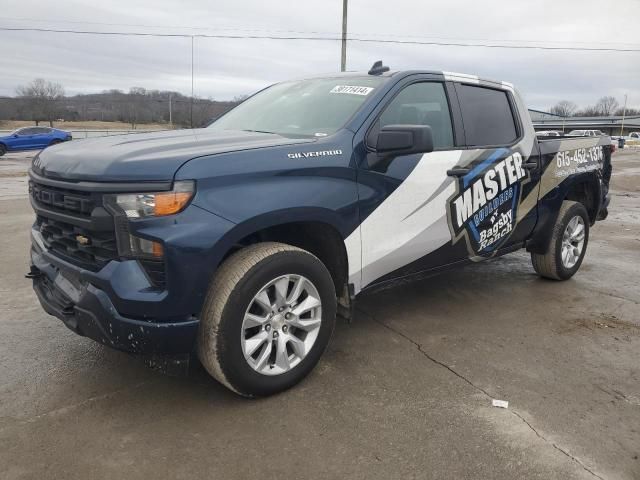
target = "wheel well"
x: 321, y: 239
x: 586, y: 193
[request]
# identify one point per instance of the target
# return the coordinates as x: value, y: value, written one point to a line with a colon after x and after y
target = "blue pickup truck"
x: 242, y: 241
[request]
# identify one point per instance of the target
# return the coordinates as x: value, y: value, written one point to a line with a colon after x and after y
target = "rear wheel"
x: 267, y: 319
x: 568, y: 243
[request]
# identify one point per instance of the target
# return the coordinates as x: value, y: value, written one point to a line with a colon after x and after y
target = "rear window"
x: 487, y: 116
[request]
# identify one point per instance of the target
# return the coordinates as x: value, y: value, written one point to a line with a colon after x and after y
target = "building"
x: 610, y: 125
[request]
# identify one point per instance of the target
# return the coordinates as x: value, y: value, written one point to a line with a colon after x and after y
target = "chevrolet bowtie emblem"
x: 82, y: 240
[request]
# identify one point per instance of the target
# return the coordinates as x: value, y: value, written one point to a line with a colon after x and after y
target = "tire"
x: 224, y: 335
x: 3, y: 149
x: 552, y: 264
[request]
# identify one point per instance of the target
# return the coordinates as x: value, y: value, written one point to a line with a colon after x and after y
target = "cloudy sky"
x: 225, y: 68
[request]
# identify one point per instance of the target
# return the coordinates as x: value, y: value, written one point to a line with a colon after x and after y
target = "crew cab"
x: 241, y: 241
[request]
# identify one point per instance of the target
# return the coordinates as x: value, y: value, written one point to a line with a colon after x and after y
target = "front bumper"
x: 88, y: 311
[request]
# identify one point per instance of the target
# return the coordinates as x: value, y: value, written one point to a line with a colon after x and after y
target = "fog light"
x: 141, y: 247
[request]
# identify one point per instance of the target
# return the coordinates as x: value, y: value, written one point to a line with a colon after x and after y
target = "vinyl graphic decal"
x: 484, y: 207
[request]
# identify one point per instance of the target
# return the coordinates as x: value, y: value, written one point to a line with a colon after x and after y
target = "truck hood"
x: 145, y: 156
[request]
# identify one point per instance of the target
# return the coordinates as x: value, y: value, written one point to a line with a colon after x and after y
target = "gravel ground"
x: 403, y: 392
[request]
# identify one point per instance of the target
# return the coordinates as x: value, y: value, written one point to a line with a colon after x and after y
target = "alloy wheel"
x: 573, y: 241
x: 281, y: 324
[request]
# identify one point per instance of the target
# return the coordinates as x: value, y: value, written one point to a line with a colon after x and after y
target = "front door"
x: 24, y: 139
x: 404, y: 225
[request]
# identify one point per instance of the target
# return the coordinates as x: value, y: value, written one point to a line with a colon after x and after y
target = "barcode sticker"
x: 351, y: 89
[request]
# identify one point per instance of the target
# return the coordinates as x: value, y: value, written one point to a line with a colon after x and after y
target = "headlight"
x: 131, y: 206
x: 141, y: 205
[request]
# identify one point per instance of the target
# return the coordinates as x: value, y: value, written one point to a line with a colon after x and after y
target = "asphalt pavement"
x: 405, y: 391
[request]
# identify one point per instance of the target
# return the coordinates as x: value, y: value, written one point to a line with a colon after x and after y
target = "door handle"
x: 530, y: 165
x: 458, y: 171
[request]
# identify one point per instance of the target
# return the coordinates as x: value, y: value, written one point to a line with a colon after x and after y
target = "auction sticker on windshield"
x: 351, y: 89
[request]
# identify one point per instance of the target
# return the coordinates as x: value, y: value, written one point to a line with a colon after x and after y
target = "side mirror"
x: 394, y: 140
x: 15, y: 135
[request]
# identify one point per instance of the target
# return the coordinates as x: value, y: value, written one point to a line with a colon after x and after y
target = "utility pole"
x: 624, y: 112
x: 170, y: 117
x: 191, y: 106
x: 343, y: 60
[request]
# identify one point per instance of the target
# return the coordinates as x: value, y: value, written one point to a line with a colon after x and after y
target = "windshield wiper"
x: 258, y: 131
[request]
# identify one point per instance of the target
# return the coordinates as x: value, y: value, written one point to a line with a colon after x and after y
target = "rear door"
x: 495, y: 202
x: 41, y: 138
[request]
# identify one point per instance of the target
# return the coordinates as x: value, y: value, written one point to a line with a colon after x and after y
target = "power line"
x: 326, y: 38
x: 494, y: 45
x: 308, y: 32
x: 184, y: 27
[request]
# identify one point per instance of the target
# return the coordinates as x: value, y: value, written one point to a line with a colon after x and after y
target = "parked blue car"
x: 32, y: 138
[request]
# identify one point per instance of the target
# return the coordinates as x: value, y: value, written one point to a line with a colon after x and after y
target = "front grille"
x: 77, y: 228
x: 62, y: 200
x: 89, y: 249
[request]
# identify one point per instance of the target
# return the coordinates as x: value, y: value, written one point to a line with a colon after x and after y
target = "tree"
x: 606, y: 106
x: 136, y: 104
x: 590, y: 111
x: 564, y: 108
x: 630, y: 112
x: 41, y: 98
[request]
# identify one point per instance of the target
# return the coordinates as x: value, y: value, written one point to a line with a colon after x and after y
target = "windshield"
x: 315, y: 108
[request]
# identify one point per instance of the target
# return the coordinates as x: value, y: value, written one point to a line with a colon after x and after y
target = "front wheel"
x: 3, y: 149
x: 568, y: 243
x: 267, y: 318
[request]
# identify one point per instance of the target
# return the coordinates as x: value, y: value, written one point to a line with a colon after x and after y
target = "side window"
x: 487, y: 116
x: 422, y: 104
x: 26, y: 132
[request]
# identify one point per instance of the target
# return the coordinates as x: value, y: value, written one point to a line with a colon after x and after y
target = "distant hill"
x: 137, y: 107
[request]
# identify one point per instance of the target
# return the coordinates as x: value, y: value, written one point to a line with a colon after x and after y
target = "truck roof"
x: 451, y: 76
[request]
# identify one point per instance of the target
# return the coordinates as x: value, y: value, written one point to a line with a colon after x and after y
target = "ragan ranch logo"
x: 485, y: 203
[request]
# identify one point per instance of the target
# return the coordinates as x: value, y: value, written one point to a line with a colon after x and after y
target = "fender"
x: 199, y: 241
x: 273, y: 219
x: 549, y: 208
